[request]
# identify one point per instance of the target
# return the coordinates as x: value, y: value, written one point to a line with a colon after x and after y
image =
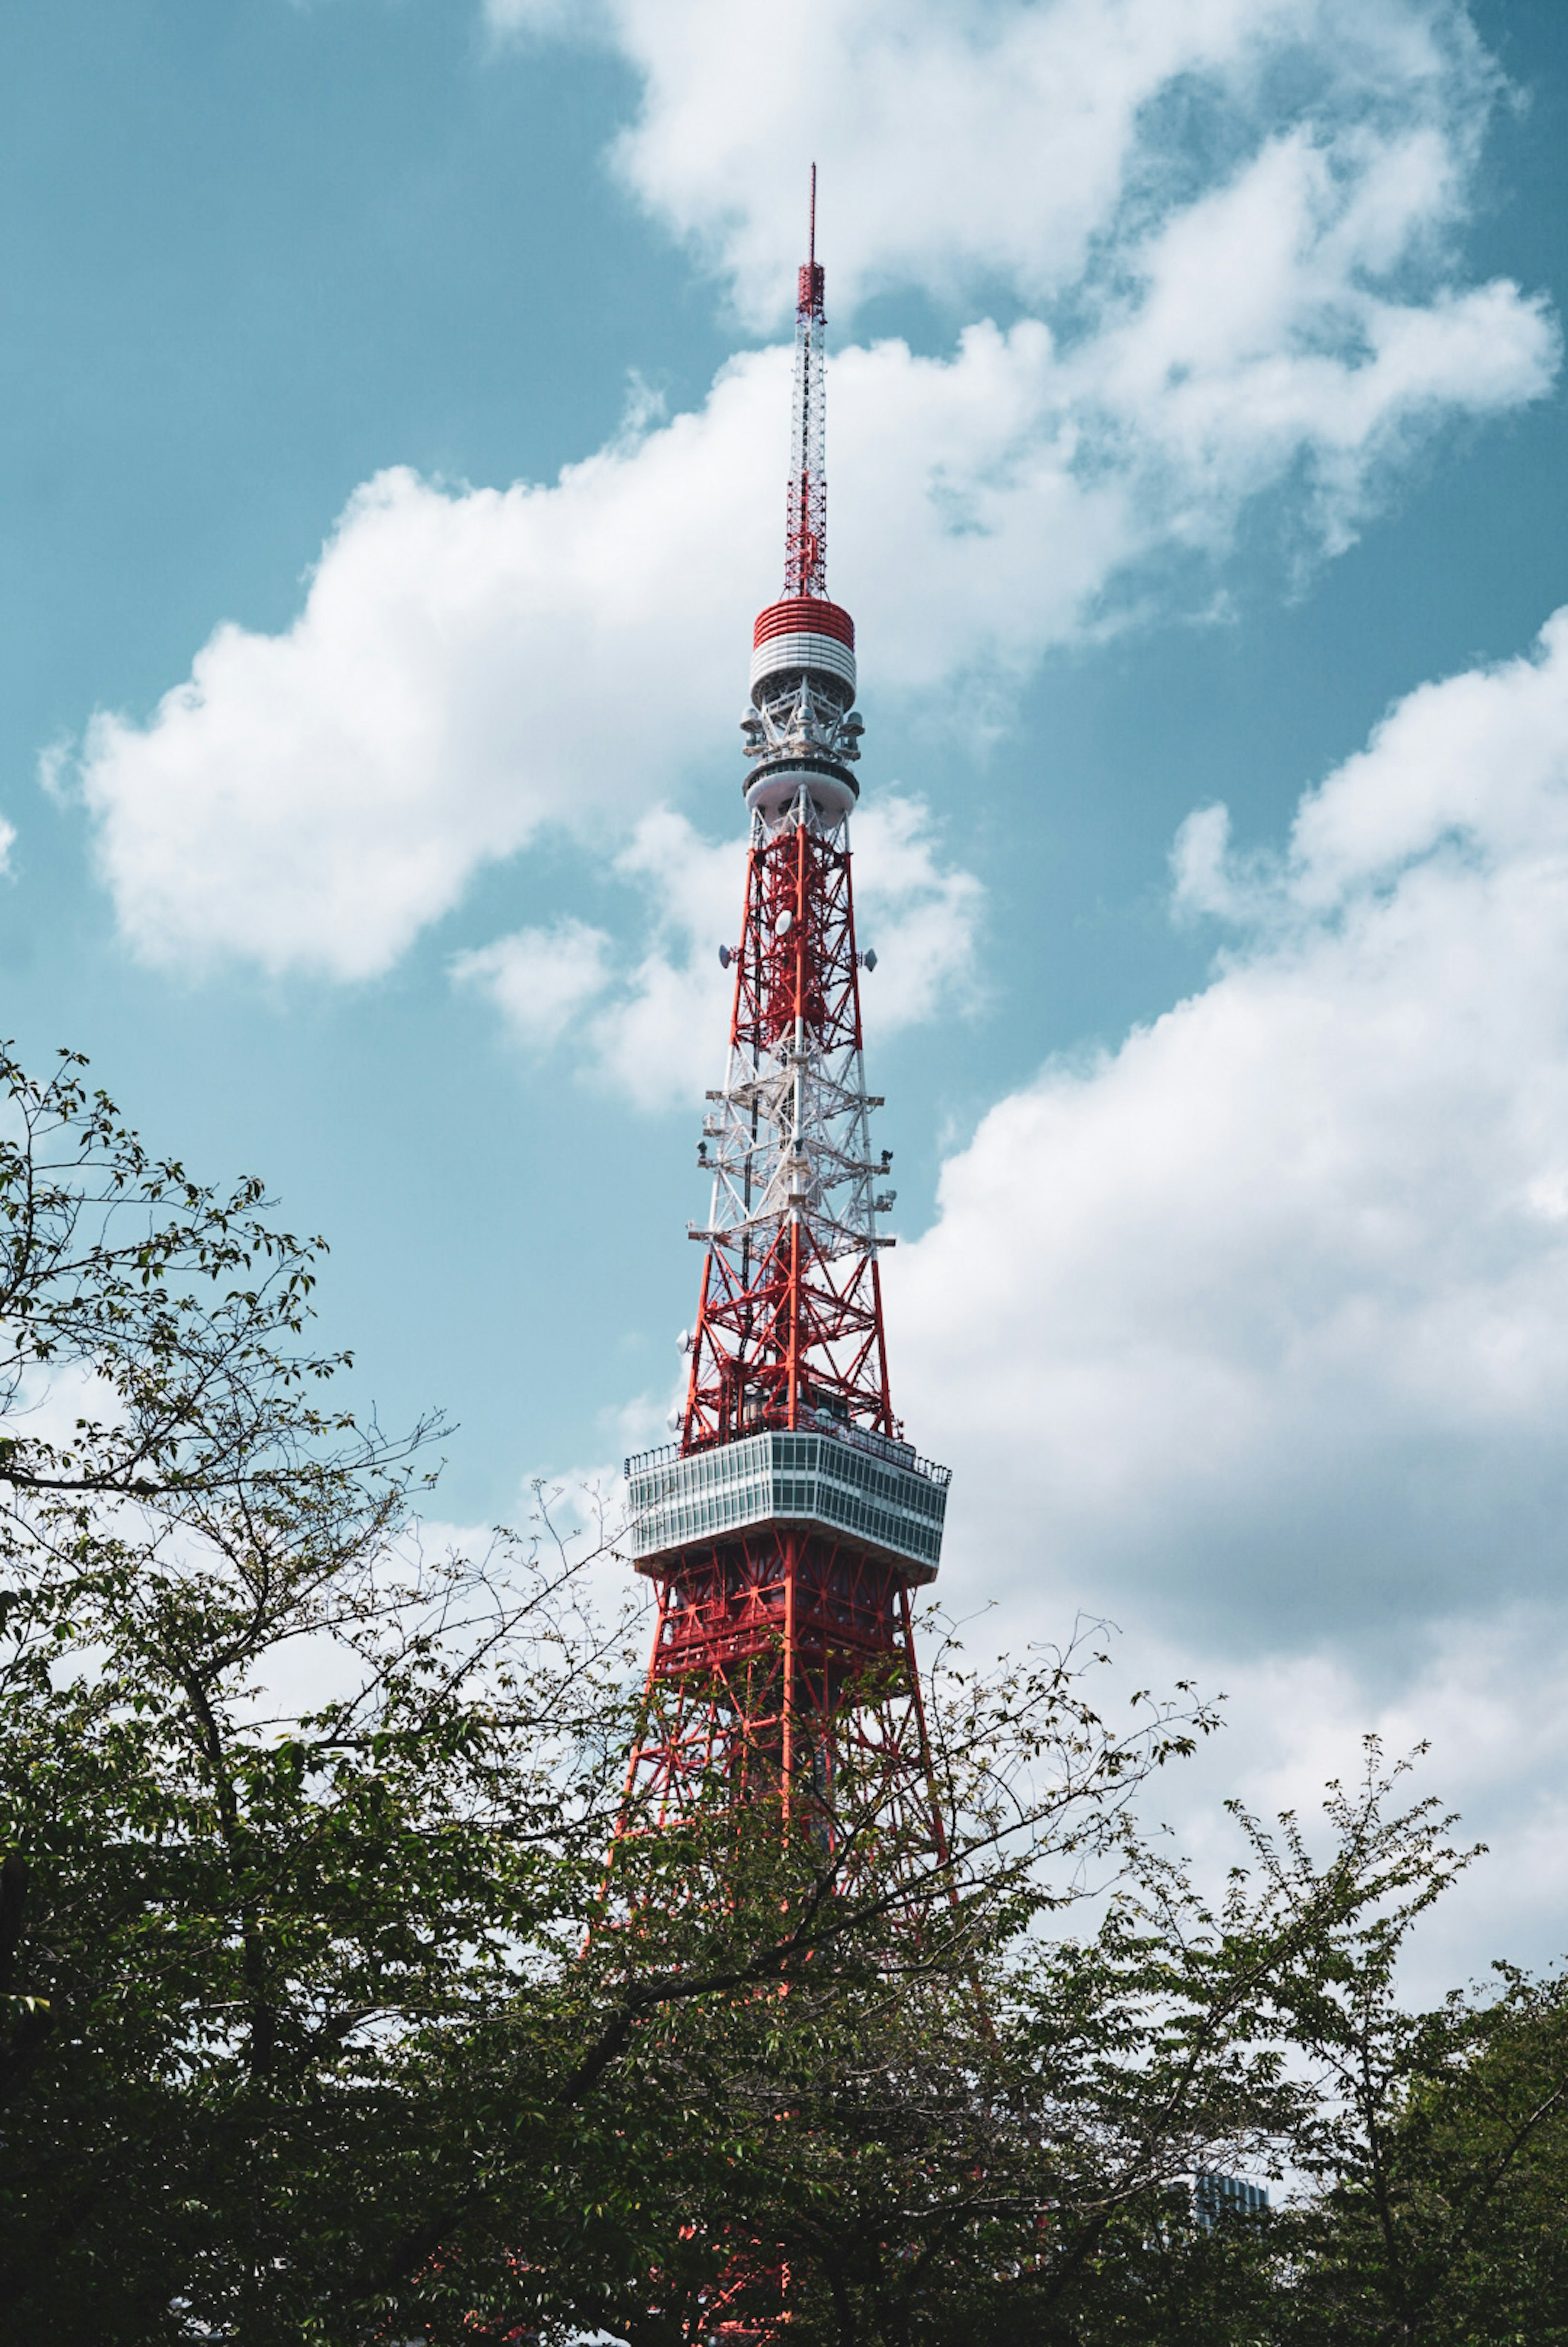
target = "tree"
x: 1444, y: 2220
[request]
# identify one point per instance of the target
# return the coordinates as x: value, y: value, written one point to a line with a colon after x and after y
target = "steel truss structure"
x: 786, y: 1661
x: 790, y: 1318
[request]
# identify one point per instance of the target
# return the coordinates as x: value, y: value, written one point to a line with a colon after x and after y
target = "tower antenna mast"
x: 806, y: 523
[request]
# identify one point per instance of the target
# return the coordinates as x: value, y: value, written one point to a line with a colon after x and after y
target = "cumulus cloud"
x: 466, y: 669
x: 965, y: 142
x: 1253, y: 1334
x: 472, y: 667
x: 660, y: 1040
x: 539, y: 979
x: 1483, y: 1693
x: 1262, y: 1319
x: 655, y: 1029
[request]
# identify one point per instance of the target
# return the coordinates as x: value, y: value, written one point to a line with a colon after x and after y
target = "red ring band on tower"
x: 804, y: 615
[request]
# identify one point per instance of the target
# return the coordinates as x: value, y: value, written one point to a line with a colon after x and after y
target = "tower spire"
x: 805, y: 521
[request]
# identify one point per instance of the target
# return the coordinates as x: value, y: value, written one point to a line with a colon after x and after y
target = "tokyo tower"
x: 787, y: 1525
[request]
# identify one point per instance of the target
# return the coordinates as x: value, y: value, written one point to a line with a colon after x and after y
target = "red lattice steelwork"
x: 789, y: 1321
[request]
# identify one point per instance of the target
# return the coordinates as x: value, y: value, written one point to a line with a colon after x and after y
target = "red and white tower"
x: 786, y: 1527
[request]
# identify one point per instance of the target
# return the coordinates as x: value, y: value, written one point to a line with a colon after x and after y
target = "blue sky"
x: 401, y: 386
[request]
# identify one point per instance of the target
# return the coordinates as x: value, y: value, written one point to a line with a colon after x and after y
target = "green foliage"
x: 1444, y: 2219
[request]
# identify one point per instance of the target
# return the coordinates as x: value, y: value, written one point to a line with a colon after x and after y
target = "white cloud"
x: 967, y: 141
x: 1253, y: 1334
x: 656, y: 1034
x: 921, y: 917
x: 1260, y: 331
x: 469, y: 667
x: 1262, y: 1319
x: 473, y: 666
x: 1483, y: 1692
x: 539, y: 979
x: 661, y: 1041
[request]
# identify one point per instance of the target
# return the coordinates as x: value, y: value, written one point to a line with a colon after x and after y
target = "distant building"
x: 1231, y: 2196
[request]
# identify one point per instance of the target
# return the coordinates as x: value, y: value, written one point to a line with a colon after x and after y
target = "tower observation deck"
x: 785, y: 1526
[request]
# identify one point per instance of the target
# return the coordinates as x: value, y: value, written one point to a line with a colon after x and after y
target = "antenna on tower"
x: 806, y: 524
